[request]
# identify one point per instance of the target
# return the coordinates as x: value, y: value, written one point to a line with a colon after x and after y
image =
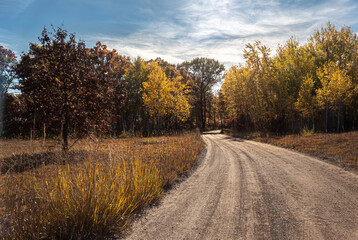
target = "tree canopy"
x: 315, y: 82
x: 65, y: 86
x: 205, y: 72
x: 67, y: 89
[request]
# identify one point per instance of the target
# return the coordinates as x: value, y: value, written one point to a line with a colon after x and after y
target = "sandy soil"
x: 250, y: 190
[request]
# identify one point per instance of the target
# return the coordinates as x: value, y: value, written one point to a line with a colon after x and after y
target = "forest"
x: 66, y: 90
x: 312, y: 86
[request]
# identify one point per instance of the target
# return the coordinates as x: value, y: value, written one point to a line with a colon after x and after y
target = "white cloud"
x: 10, y: 41
x: 220, y: 28
x: 4, y: 45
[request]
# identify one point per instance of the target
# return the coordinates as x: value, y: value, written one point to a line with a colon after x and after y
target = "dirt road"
x: 249, y: 190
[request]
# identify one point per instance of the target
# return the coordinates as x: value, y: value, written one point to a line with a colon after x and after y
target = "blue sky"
x: 175, y: 30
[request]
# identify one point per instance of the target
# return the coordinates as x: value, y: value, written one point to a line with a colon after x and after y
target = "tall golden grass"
x: 96, y: 197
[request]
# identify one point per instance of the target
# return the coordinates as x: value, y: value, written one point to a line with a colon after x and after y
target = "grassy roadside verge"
x: 338, y: 148
x: 97, y: 194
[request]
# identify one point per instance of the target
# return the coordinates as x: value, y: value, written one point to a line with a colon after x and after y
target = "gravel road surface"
x: 249, y: 190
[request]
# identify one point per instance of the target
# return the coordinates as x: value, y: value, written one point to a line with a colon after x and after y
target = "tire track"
x: 249, y: 190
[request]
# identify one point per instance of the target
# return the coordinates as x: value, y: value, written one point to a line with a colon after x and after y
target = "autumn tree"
x: 238, y: 98
x: 221, y: 109
x: 111, y: 67
x: 259, y: 76
x: 180, y: 107
x: 63, y: 86
x: 297, y: 83
x: 181, y: 91
x: 292, y: 64
x: 164, y: 98
x: 339, y: 46
x: 156, y: 94
x: 307, y: 101
x: 169, y: 69
x: 205, y: 72
x: 15, y: 121
x: 261, y: 94
x: 329, y: 44
x: 132, y: 113
x: 7, y: 60
x: 214, y: 109
x: 336, y: 91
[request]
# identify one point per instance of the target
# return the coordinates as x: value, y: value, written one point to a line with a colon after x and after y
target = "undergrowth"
x: 338, y: 148
x: 94, y: 198
x: 307, y: 132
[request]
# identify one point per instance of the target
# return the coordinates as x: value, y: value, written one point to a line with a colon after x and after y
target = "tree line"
x: 68, y: 90
x: 313, y: 86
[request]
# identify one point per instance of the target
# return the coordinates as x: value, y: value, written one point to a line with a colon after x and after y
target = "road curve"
x: 249, y: 190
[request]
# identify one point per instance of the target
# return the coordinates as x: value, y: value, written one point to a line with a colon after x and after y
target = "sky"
x: 175, y: 30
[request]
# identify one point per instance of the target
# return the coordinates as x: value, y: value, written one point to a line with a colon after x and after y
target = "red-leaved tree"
x: 63, y: 85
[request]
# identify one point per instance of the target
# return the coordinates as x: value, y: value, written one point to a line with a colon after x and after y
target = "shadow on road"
x: 226, y: 137
x: 234, y: 139
x: 212, y: 132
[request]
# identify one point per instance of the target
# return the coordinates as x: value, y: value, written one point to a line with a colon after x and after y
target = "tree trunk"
x: 158, y: 125
x: 44, y: 131
x: 292, y: 125
x: 338, y: 119
x: 118, y: 124
x: 65, y: 134
x: 326, y: 117
x: 204, y: 112
x: 32, y: 135
x: 201, y: 110
x: 65, y: 124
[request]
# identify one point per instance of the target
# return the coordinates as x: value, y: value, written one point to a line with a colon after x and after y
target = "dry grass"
x: 338, y: 148
x: 95, y: 197
x: 9, y: 148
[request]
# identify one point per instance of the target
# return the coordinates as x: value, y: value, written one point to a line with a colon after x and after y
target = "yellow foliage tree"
x: 156, y: 92
x: 307, y: 100
x: 233, y: 90
x: 180, y: 105
x: 272, y: 93
x: 162, y: 97
x: 337, y: 89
